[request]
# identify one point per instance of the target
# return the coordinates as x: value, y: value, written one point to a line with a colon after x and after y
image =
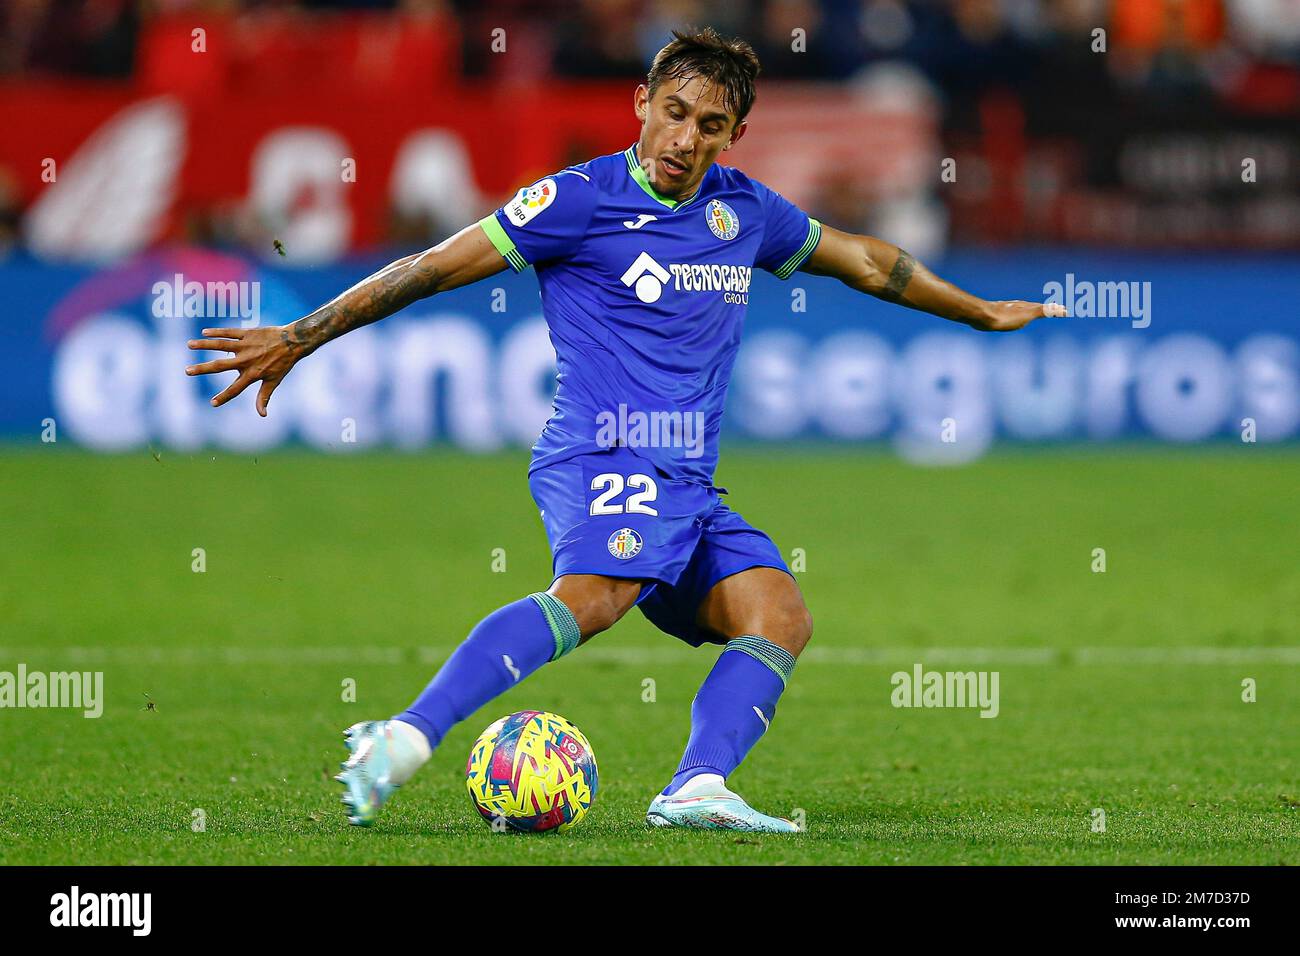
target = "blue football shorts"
x: 614, y: 513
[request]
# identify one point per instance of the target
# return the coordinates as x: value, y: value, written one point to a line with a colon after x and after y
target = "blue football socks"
x: 734, y: 706
x: 503, y: 649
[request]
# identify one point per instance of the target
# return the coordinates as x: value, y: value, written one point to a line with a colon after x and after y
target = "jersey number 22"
x: 613, y: 485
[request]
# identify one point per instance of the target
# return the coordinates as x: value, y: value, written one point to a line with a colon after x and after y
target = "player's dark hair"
x: 730, y: 63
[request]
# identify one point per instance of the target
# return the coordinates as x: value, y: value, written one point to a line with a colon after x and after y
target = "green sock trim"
x: 560, y: 620
x: 777, y: 659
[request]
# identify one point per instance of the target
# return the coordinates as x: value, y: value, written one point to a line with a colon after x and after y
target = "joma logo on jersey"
x: 648, y: 278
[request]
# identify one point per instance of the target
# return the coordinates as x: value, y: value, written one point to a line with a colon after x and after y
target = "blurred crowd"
x: 1208, y: 47
x: 1076, y: 116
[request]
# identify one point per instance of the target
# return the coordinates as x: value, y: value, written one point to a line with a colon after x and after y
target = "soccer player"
x: 644, y: 259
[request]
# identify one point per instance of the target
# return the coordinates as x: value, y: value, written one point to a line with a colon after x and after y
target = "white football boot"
x: 705, y: 803
x: 383, y: 755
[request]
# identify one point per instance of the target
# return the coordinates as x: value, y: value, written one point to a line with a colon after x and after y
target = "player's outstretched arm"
x: 881, y: 269
x: 267, y: 354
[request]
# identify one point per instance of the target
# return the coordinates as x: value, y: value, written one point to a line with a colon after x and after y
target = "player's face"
x: 684, y: 127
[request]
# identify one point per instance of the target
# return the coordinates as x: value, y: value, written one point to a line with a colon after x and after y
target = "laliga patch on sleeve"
x: 530, y: 201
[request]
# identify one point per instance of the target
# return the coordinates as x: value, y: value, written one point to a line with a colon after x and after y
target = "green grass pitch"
x: 1119, y: 691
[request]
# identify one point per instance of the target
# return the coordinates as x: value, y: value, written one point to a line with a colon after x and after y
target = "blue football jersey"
x: 645, y: 297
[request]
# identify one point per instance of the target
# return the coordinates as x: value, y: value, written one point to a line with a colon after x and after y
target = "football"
x: 532, y: 771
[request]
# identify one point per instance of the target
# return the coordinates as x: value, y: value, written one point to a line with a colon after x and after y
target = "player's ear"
x: 641, y: 102
x: 736, y: 133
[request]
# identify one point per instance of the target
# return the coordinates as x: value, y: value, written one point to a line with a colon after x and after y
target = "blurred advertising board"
x: 1160, y: 349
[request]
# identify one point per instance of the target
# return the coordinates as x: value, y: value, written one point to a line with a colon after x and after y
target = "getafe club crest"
x: 624, y: 543
x: 722, y: 219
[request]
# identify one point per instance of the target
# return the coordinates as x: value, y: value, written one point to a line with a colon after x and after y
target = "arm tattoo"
x: 899, y: 277
x: 387, y: 291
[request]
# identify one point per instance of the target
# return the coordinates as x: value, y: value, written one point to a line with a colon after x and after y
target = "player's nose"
x: 684, y: 142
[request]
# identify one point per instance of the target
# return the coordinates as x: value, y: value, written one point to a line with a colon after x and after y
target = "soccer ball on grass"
x: 532, y: 771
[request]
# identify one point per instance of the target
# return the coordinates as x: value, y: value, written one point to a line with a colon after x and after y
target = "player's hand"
x: 1012, y: 315
x: 259, y: 355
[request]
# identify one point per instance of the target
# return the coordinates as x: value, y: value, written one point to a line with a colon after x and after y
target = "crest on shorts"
x: 624, y: 543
